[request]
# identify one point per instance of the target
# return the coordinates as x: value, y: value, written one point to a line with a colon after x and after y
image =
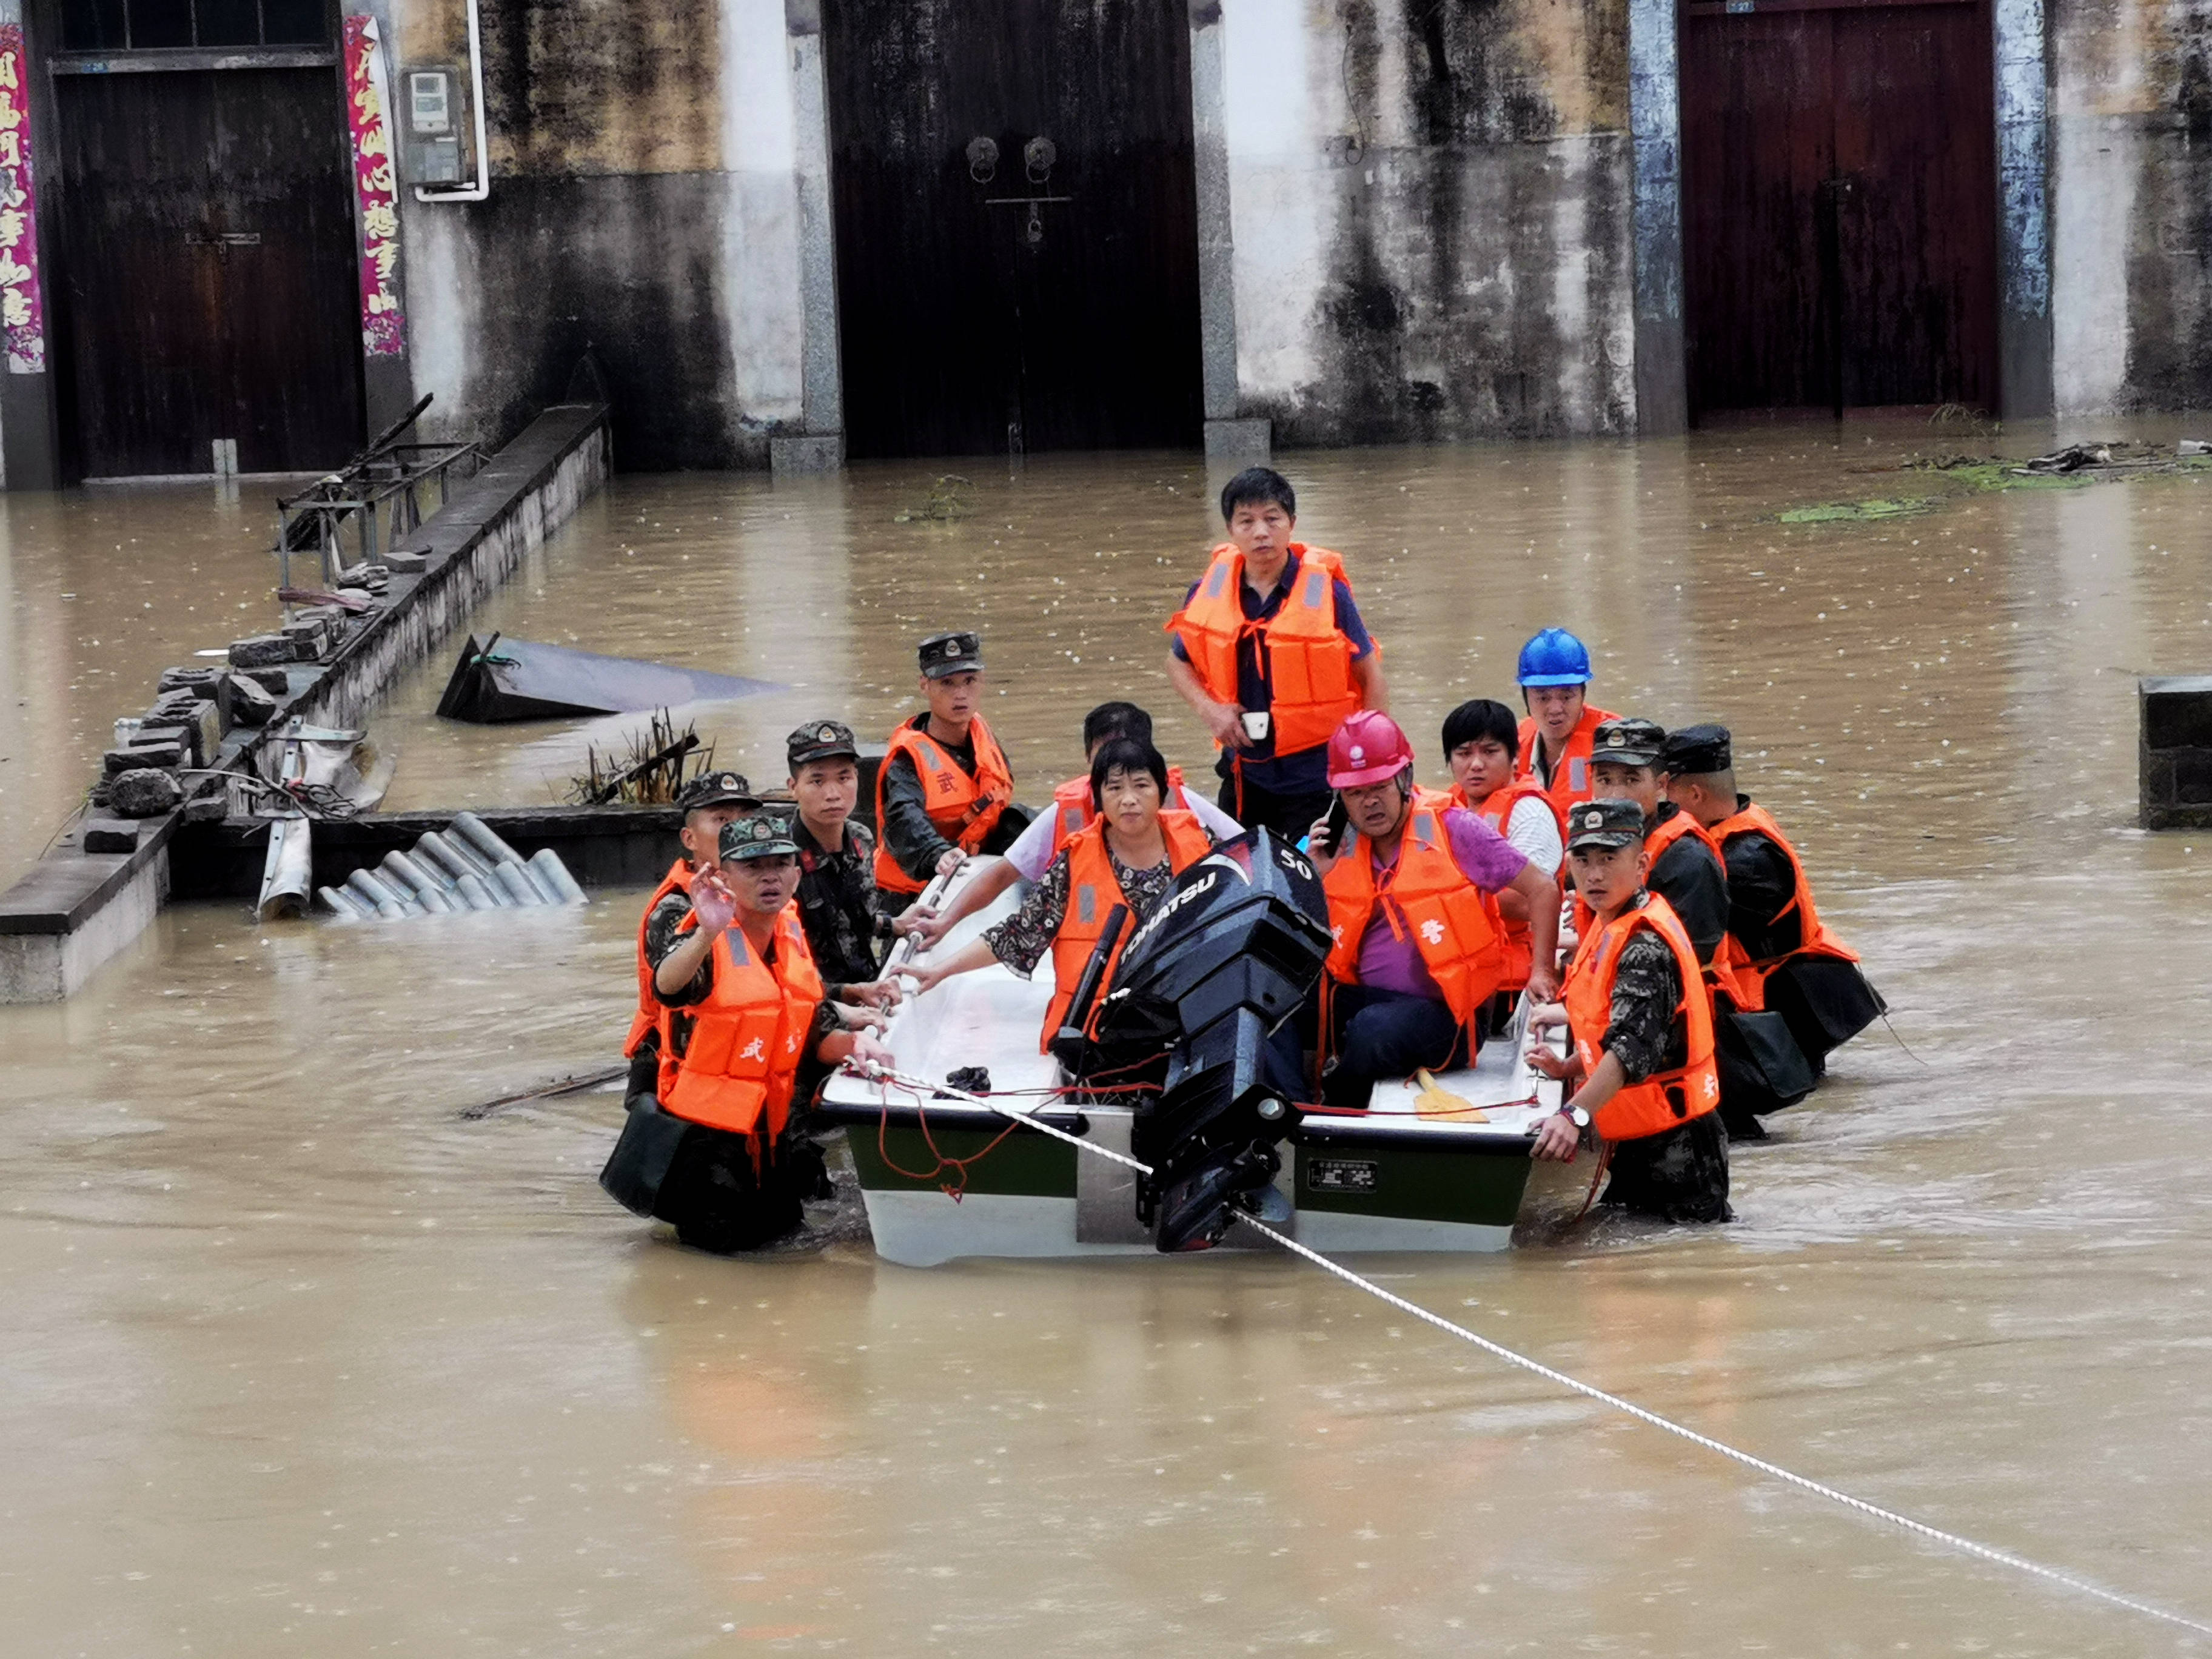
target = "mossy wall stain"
x: 1478, y: 278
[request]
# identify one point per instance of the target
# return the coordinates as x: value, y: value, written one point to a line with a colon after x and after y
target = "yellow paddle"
x: 1432, y: 1102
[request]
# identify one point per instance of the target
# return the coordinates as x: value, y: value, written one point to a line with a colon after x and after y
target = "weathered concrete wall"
x: 1431, y: 216
x: 2131, y: 293
x: 645, y: 204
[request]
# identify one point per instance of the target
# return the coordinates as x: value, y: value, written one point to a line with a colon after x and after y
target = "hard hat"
x: 1554, y: 657
x: 1367, y: 748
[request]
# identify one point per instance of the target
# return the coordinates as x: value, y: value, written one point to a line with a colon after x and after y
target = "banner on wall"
x: 23, y: 308
x: 382, y: 328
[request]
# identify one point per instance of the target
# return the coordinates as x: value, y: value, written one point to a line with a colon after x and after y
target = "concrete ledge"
x: 74, y: 910
x: 1240, y: 441
x: 822, y: 452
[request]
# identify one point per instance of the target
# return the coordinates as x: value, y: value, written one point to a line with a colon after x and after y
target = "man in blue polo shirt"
x: 1269, y: 649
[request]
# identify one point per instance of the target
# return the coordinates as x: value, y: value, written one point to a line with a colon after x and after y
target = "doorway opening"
x: 1017, y: 225
x: 1840, y: 204
x: 211, y: 303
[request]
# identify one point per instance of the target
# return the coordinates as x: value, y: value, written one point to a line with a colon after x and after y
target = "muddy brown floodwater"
x: 299, y: 1360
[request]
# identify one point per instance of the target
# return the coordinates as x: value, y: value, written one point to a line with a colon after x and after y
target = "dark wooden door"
x: 1047, y: 304
x: 208, y: 264
x: 1839, y: 202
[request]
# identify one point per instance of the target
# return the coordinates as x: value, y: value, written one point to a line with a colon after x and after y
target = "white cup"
x: 1256, y: 727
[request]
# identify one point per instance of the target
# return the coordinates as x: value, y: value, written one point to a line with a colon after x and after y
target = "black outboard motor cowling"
x: 1212, y: 981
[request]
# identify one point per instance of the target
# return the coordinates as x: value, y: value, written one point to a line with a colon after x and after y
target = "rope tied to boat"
x: 885, y: 1075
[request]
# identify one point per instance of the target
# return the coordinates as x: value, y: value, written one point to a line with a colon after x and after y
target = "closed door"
x: 1017, y: 224
x: 1839, y: 202
x: 208, y: 262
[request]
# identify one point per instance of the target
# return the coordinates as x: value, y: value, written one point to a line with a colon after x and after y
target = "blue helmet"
x: 1554, y: 657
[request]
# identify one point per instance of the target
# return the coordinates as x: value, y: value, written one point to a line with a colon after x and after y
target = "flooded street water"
x: 302, y: 1361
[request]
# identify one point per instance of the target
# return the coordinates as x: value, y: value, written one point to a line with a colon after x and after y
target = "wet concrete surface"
x: 303, y: 1361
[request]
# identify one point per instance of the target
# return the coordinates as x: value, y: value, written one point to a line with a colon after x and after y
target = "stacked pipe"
x: 466, y: 867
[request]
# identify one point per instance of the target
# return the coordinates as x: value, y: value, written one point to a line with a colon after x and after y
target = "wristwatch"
x: 1576, y: 1115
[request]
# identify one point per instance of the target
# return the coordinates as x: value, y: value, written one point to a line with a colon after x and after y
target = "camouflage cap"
x: 758, y: 834
x: 716, y: 789
x: 1610, y: 823
x: 952, y: 654
x: 1627, y: 743
x: 821, y: 740
x: 1694, y: 751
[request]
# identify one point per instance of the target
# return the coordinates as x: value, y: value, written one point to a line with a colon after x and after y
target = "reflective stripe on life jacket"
x: 738, y: 1070
x: 1093, y: 890
x: 648, y: 1018
x: 1425, y: 891
x: 1664, y: 1099
x: 1072, y: 810
x: 1306, y: 656
x: 961, y: 808
x: 1570, y: 778
x: 1513, y: 937
x: 1750, y: 818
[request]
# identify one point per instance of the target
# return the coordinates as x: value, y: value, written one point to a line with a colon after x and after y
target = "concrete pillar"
x: 1229, y: 436
x: 1655, y: 126
x: 820, y: 447
x: 2176, y: 752
x: 2024, y: 331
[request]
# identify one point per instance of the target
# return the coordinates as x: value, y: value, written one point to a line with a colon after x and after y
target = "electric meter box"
x: 431, y: 122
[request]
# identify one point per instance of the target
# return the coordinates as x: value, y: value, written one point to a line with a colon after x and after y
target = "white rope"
x: 1873, y: 1511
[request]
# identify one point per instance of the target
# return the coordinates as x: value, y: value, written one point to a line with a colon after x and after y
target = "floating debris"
x: 651, y: 772
x: 947, y: 501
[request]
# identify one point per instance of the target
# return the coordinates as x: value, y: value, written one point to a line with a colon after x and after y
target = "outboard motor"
x: 1212, y: 982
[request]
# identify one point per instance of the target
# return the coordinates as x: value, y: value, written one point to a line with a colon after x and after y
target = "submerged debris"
x: 2074, y: 467
x: 509, y: 679
x: 651, y: 772
x: 948, y: 501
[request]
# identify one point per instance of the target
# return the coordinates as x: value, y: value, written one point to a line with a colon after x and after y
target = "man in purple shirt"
x: 1405, y: 879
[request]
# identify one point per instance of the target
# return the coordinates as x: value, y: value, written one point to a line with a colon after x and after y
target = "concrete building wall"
x: 2131, y: 260
x: 645, y: 206
x: 1430, y: 217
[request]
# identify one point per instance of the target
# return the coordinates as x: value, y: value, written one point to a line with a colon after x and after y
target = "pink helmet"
x: 1367, y: 748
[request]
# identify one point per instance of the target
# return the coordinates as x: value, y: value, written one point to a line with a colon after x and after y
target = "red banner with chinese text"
x: 23, y: 308
x: 382, y: 328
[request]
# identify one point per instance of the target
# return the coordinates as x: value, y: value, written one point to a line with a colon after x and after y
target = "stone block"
x: 164, y: 755
x: 200, y: 682
x: 200, y: 730
x: 408, y: 561
x: 2177, y: 712
x: 276, y: 682
x: 144, y: 793
x: 245, y: 702
x: 109, y: 836
x: 796, y: 456
x: 211, y: 808
x: 308, y: 640
x: 262, y: 651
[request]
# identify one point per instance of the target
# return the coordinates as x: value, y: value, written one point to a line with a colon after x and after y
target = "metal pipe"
x: 456, y: 860
x: 474, y: 894
x: 480, y: 838
x: 343, y: 905
x: 545, y: 865
x: 378, y: 896
x: 482, y: 189
x: 514, y: 881
x: 403, y: 873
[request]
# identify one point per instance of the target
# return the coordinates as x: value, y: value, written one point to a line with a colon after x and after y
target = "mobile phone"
x: 1334, y: 826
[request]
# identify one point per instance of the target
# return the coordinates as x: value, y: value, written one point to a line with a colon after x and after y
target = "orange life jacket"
x: 1720, y: 974
x: 737, y: 1071
x: 1750, y: 976
x: 1310, y: 687
x: 1072, y: 810
x: 1092, y: 891
x: 1513, y: 937
x: 646, y: 1020
x: 1571, y: 783
x: 961, y: 808
x: 1427, y: 892
x: 1665, y: 1099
